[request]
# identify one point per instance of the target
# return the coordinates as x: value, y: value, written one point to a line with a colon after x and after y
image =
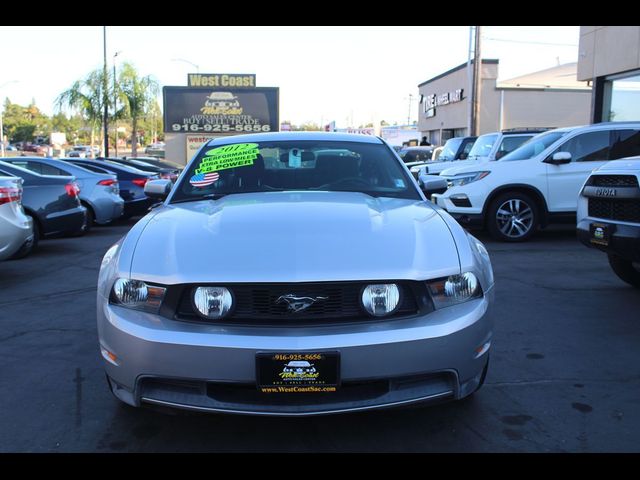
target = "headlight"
x: 137, y: 295
x: 380, y: 300
x: 465, y: 178
x: 454, y: 289
x: 212, y: 302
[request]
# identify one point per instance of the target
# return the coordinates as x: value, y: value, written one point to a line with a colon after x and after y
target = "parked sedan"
x: 51, y: 201
x: 99, y: 192
x: 131, y: 181
x: 281, y: 278
x: 162, y: 172
x: 16, y: 229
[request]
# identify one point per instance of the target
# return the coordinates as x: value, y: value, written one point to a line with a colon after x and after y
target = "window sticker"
x: 203, y: 179
x: 229, y: 156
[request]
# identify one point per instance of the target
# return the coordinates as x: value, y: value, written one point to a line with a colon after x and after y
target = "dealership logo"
x: 298, y: 370
x: 599, y: 233
x: 221, y: 103
x: 298, y: 304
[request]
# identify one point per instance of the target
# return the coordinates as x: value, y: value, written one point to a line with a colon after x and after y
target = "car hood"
x: 294, y: 237
x: 625, y: 164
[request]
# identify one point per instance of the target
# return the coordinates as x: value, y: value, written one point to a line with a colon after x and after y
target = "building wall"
x: 545, y: 108
x: 456, y: 115
x: 489, y: 100
x: 608, y: 50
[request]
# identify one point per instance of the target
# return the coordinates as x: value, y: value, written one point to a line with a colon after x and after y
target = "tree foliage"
x: 139, y: 95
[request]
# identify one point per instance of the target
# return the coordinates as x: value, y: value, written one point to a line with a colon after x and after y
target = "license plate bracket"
x: 307, y: 372
x: 600, y: 233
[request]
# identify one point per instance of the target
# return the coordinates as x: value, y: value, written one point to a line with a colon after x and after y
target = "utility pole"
x: 409, y: 115
x: 115, y: 102
x: 477, y: 84
x: 105, y: 94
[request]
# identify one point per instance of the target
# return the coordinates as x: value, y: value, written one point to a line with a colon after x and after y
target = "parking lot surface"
x: 564, y: 375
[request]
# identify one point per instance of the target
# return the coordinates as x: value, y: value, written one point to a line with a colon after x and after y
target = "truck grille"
x: 613, y: 181
x: 625, y: 210
x: 258, y: 303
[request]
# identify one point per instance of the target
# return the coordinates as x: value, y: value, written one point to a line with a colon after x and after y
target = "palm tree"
x: 139, y: 95
x: 87, y: 98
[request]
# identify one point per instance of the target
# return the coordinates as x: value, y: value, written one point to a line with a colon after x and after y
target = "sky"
x: 350, y: 75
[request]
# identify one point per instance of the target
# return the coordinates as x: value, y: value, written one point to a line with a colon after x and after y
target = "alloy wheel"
x: 514, y: 218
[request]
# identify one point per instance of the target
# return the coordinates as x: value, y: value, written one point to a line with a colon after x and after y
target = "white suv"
x: 538, y: 183
x: 486, y: 148
x: 609, y: 216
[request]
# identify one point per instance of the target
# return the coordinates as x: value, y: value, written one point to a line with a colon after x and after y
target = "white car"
x: 538, y: 183
x: 16, y: 228
x: 486, y: 148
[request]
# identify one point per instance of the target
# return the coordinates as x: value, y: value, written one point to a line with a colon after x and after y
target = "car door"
x: 588, y: 151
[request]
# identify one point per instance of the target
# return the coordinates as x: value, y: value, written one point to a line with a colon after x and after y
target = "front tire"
x: 513, y: 217
x: 626, y: 270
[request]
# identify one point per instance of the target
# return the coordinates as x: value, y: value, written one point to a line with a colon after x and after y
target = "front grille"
x: 625, y: 210
x: 613, y: 181
x: 258, y: 303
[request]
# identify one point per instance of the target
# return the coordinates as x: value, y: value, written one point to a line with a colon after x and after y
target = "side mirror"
x: 431, y: 184
x: 462, y: 156
x: 558, y: 158
x: 158, y: 189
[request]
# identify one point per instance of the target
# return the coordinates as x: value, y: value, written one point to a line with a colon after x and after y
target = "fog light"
x: 212, y: 302
x: 380, y: 300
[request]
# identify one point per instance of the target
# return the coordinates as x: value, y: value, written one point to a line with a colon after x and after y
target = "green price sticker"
x: 229, y: 156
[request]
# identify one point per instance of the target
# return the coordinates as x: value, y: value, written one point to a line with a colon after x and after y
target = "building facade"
x: 609, y: 57
x: 545, y: 99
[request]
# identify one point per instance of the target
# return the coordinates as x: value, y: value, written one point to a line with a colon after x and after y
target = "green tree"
x: 86, y: 97
x: 22, y: 124
x: 139, y: 95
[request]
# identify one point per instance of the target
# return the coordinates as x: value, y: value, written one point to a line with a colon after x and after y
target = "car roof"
x: 292, y: 136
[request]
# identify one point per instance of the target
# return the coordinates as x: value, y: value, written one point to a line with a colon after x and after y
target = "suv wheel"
x: 627, y: 270
x: 512, y: 217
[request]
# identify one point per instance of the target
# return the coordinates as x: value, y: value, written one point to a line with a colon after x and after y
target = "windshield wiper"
x: 209, y: 196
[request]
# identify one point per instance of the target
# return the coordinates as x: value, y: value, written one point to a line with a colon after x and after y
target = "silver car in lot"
x: 99, y: 192
x: 16, y: 228
x: 294, y: 274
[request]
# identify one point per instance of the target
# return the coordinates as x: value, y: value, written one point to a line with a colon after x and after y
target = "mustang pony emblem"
x: 297, y: 304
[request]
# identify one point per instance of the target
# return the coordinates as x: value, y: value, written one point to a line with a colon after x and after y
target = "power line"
x: 533, y: 43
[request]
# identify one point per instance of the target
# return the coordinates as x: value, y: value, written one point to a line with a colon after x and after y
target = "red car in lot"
x: 37, y: 149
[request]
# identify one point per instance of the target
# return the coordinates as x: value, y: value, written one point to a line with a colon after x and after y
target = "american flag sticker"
x: 204, y: 179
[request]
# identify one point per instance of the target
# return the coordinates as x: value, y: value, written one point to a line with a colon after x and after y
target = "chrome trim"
x: 295, y: 414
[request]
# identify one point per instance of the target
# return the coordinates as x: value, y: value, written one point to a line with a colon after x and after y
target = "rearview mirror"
x: 431, y: 184
x: 558, y: 158
x: 158, y: 189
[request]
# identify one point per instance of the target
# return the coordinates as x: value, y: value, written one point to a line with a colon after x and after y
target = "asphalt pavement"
x: 564, y: 375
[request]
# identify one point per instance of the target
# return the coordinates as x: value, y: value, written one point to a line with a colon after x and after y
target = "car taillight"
x: 10, y: 194
x: 108, y: 182
x: 141, y: 182
x: 72, y: 189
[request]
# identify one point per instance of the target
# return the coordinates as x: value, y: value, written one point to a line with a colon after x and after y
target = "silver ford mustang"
x: 294, y: 274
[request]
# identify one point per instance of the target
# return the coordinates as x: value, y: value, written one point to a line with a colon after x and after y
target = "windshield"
x: 533, y: 146
x: 483, y: 145
x: 449, y: 150
x: 295, y: 165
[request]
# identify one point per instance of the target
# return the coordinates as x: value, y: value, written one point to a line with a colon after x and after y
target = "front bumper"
x: 213, y: 368
x: 624, y: 241
x: 14, y: 233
